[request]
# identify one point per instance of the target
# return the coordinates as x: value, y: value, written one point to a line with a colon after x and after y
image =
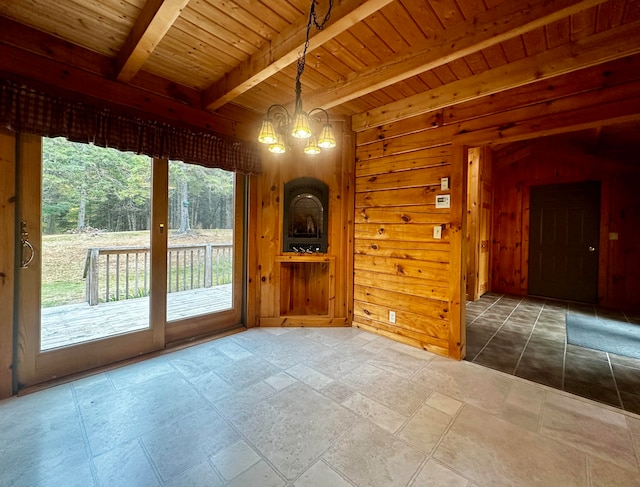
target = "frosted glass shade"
x: 301, y: 129
x: 326, y: 139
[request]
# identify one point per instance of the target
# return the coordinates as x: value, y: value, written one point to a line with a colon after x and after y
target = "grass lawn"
x: 63, y: 258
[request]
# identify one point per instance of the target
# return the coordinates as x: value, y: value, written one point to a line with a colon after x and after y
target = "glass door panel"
x: 200, y: 253
x: 85, y: 287
x: 96, y: 213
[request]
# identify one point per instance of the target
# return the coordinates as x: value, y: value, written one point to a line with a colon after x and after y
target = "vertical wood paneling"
x: 457, y: 262
x: 473, y: 222
x: 558, y: 160
x: 312, y: 289
x: 7, y: 257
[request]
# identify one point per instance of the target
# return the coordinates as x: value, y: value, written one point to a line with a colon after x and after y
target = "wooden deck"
x: 75, y: 323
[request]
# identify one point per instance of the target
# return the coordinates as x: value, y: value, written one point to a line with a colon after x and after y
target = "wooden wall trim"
x: 457, y: 253
x: 7, y: 258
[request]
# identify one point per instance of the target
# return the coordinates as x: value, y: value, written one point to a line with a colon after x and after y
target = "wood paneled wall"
x: 279, y: 292
x: 563, y: 160
x: 399, y: 266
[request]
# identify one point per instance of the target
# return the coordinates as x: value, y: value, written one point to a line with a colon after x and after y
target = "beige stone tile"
x: 235, y: 459
x: 434, y: 474
x: 634, y: 428
x: 466, y: 382
x: 399, y: 394
x: 523, y: 405
x: 292, y: 428
x: 590, y: 428
x: 179, y: 445
x: 238, y: 401
x: 337, y: 391
x: 260, y: 474
x: 127, y: 465
x: 425, y: 428
x: 606, y: 474
x: 198, y: 476
x: 444, y: 403
x: 369, y: 456
x: 491, y: 451
x: 280, y: 381
x: 399, y: 363
x: 309, y: 376
x: 321, y: 475
x: 379, y: 414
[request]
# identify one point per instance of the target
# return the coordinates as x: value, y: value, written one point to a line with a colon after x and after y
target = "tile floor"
x: 526, y: 337
x: 312, y: 407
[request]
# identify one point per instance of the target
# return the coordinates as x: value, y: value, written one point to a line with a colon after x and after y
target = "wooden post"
x: 457, y: 256
x: 91, y: 276
x: 208, y: 263
x: 7, y: 257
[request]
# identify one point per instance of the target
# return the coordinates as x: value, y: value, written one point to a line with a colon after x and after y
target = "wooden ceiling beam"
x: 155, y: 20
x: 285, y: 48
x: 606, y: 46
x: 503, y: 22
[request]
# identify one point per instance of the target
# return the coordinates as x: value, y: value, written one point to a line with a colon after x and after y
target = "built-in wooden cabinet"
x: 302, y: 288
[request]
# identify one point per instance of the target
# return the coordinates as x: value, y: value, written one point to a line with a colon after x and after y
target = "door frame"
x: 33, y: 366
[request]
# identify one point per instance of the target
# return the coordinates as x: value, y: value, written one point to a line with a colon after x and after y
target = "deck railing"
x: 118, y: 273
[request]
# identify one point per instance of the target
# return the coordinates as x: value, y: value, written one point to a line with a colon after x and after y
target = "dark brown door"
x: 563, y: 243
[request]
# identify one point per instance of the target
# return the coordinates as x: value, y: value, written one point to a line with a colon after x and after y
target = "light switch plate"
x: 443, y: 201
x: 437, y: 231
x: 392, y: 316
x: 444, y: 184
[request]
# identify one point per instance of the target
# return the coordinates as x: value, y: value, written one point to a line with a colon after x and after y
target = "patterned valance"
x: 23, y: 109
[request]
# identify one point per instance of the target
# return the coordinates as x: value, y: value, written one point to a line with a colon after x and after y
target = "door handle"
x: 24, y: 241
x: 592, y: 249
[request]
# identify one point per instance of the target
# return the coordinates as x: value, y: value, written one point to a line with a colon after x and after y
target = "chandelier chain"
x: 313, y: 20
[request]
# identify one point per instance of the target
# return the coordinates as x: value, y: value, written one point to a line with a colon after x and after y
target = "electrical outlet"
x: 437, y: 231
x: 392, y: 316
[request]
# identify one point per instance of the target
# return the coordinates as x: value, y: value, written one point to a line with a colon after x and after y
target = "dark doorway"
x: 563, y: 243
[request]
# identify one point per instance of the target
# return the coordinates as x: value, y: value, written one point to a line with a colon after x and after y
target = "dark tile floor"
x: 526, y: 337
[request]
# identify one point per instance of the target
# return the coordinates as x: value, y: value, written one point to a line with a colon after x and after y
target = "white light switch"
x: 437, y: 231
x: 444, y: 184
x: 392, y: 316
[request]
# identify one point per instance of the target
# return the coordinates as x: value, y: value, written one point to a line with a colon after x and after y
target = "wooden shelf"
x: 305, y: 258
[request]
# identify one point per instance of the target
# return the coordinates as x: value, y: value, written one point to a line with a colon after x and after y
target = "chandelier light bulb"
x: 301, y: 129
x: 267, y: 133
x: 312, y: 146
x: 278, y: 146
x: 327, y: 139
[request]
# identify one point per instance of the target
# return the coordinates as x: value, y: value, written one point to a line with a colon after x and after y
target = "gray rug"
x: 600, y: 334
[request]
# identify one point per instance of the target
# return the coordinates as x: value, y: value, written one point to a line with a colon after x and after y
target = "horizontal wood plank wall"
x: 561, y: 160
x: 278, y: 275
x: 398, y: 266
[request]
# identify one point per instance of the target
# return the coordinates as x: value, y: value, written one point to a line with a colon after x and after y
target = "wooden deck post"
x: 91, y: 276
x: 208, y: 264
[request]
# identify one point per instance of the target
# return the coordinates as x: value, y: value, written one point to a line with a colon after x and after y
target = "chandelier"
x: 278, y: 125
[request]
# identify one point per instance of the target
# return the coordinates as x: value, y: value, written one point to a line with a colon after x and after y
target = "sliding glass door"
x: 113, y: 246
x: 204, y: 231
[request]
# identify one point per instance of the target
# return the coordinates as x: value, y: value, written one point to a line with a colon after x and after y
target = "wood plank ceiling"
x: 376, y: 60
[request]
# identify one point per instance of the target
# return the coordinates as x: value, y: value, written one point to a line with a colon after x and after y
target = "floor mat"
x: 617, y: 337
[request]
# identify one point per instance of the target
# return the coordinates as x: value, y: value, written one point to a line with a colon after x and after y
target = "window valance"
x: 23, y: 109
